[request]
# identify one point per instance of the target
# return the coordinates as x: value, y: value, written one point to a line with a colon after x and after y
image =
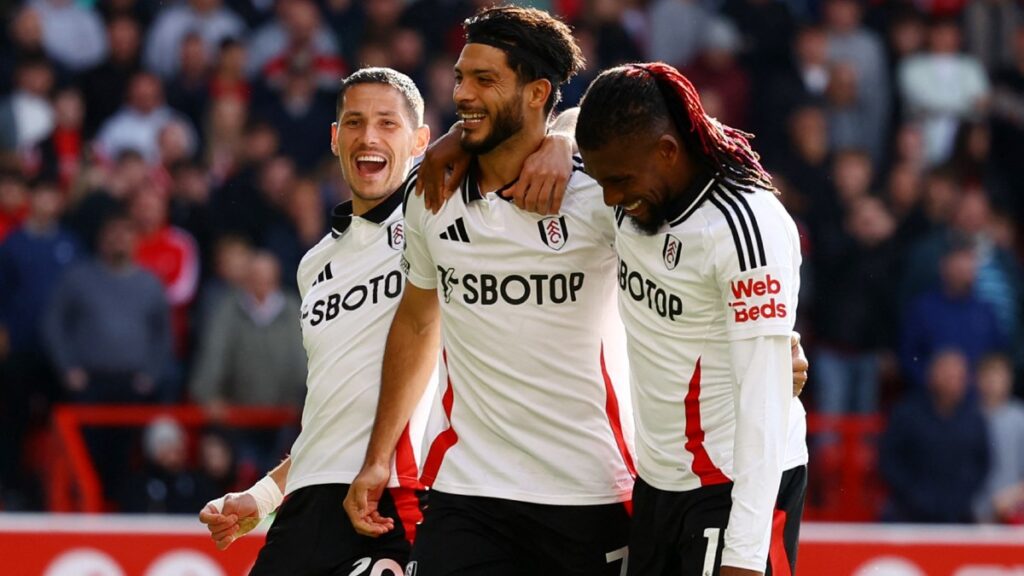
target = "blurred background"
x: 165, y: 165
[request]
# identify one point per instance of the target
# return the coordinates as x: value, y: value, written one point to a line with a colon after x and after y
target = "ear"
x: 668, y: 148
x: 334, y: 138
x: 421, y: 138
x: 537, y: 93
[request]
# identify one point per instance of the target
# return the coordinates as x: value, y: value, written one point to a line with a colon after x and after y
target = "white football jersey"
x: 526, y: 408
x: 721, y: 273
x: 350, y: 283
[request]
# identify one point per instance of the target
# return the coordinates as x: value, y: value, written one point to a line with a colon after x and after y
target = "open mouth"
x: 471, y: 119
x: 370, y: 164
x: 632, y: 207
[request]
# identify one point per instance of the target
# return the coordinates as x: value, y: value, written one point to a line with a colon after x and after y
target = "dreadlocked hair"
x: 640, y: 98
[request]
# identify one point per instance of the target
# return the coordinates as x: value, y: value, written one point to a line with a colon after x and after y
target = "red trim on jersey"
x: 405, y: 462
x: 778, y: 559
x: 444, y: 440
x: 407, y: 503
x: 628, y: 505
x: 611, y: 408
x: 703, y: 467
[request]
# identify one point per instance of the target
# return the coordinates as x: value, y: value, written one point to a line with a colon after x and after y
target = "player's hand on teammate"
x: 230, y: 517
x: 800, y: 364
x: 363, y: 499
x: 442, y: 169
x: 545, y: 174
x: 539, y: 189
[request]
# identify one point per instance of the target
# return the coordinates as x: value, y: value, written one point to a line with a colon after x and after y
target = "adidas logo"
x: 324, y: 274
x: 456, y: 232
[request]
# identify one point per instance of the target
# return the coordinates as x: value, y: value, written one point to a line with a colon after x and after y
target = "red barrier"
x: 844, y: 482
x: 73, y: 474
x: 105, y: 545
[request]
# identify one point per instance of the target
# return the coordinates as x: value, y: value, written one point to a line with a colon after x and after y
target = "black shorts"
x: 789, y: 508
x: 476, y: 536
x: 312, y: 536
x: 672, y: 530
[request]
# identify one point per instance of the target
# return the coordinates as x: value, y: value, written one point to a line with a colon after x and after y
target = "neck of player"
x: 502, y: 165
x: 361, y: 206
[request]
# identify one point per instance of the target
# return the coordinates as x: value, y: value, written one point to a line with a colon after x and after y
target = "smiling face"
x: 488, y: 97
x: 375, y: 141
x: 638, y: 174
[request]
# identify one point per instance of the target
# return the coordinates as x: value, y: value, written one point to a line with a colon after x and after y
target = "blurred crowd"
x: 165, y: 165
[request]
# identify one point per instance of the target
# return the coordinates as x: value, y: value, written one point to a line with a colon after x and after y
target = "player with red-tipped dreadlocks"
x: 708, y: 279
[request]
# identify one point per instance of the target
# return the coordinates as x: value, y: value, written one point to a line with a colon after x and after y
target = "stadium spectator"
x: 851, y: 42
x: 941, y: 88
x: 1002, y: 498
x: 297, y: 26
x: 136, y: 126
x: 934, y: 453
x: 166, y: 484
x: 32, y: 260
x: 676, y: 30
x: 903, y: 193
x: 300, y: 35
x: 950, y: 317
x: 767, y: 28
x: 796, y: 86
x: 106, y: 85
x: 72, y: 33
x: 230, y: 264
x: 14, y: 205
x: 207, y: 18
x: 855, y: 318
x: 59, y: 157
x: 291, y: 238
x: 170, y: 254
x: 228, y: 80
x: 29, y: 104
x: 716, y: 70
x: 300, y: 108
x: 849, y: 115
x: 188, y: 91
x: 1008, y: 120
x: 251, y: 352
x: 107, y: 328
x: 989, y: 27
x: 24, y: 39
x: 105, y: 192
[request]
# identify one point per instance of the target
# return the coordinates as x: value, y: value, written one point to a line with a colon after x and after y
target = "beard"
x: 657, y: 214
x: 507, y: 123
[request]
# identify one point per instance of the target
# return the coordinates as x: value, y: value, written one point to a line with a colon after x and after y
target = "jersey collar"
x: 698, y: 190
x: 341, y: 215
x: 471, y: 185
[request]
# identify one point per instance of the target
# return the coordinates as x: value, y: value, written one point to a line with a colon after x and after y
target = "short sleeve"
x: 417, y: 262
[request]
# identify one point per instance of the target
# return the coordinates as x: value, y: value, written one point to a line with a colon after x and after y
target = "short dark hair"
x: 388, y: 77
x: 537, y: 45
x: 638, y: 99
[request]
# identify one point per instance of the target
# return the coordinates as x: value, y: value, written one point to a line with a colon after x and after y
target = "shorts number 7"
x: 619, y: 554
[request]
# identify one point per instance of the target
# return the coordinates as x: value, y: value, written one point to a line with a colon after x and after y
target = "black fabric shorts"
x: 312, y: 536
x: 672, y: 531
x: 477, y: 536
x: 789, y: 509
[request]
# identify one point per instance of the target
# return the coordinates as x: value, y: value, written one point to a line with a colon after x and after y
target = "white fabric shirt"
x: 72, y: 34
x: 709, y: 303
x: 526, y: 407
x: 350, y: 283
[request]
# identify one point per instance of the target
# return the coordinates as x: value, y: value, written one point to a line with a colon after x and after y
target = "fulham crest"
x: 396, y: 235
x: 671, y: 251
x: 553, y: 232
